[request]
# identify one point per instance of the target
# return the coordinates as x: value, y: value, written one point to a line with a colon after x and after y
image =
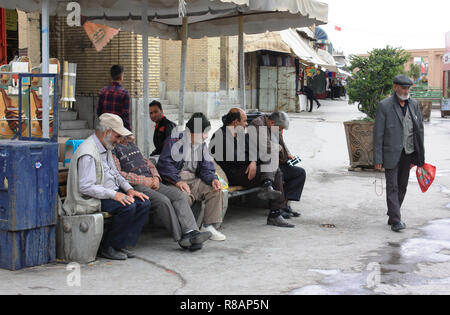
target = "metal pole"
x: 241, y: 63
x: 146, y: 101
x: 184, y: 35
x: 45, y: 62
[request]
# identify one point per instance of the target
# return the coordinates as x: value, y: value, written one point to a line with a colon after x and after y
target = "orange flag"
x: 100, y: 35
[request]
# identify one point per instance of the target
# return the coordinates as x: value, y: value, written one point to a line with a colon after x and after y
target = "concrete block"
x: 78, y: 238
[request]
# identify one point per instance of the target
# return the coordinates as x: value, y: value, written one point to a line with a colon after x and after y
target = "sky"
x: 369, y: 24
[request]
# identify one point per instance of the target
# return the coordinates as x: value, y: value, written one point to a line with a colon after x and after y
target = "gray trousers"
x: 396, y: 187
x: 172, y: 208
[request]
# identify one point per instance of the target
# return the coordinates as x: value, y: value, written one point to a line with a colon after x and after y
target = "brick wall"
x: 73, y: 45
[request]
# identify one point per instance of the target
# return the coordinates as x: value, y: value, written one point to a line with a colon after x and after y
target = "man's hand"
x: 291, y: 157
x: 155, y: 184
x: 148, y: 182
x: 133, y: 193
x: 184, y: 187
x: 251, y: 171
x: 125, y: 200
x: 378, y: 167
x: 216, y: 185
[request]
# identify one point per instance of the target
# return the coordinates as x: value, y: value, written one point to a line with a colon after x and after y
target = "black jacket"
x: 388, y: 133
x: 163, y: 131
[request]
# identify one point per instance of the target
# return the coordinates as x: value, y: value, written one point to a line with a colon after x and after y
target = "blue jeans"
x: 128, y: 222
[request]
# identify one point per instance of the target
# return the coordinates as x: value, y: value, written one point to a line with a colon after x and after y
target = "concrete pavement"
x: 260, y: 259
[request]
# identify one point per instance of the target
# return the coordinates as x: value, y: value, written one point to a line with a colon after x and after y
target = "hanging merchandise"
x: 310, y: 72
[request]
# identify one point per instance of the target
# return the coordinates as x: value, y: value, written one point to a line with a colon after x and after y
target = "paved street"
x: 260, y: 259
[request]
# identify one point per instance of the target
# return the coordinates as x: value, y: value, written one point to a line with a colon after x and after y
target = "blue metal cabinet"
x: 28, y: 202
x: 28, y: 184
x: 27, y: 248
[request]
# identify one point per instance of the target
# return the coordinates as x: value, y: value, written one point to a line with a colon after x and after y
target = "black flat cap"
x: 403, y: 80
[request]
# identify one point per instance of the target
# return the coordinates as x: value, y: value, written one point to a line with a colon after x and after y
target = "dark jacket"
x: 221, y: 148
x: 169, y: 169
x: 388, y: 133
x: 163, y: 131
x: 261, y: 122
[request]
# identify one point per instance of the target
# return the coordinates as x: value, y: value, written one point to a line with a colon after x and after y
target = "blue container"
x: 28, y: 203
x: 28, y: 185
x: 27, y: 248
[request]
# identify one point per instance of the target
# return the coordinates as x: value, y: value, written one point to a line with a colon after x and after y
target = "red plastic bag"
x: 425, y: 176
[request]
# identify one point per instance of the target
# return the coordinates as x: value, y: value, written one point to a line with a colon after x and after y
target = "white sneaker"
x: 216, y: 235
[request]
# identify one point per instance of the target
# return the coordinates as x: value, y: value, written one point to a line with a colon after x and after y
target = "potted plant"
x: 370, y: 84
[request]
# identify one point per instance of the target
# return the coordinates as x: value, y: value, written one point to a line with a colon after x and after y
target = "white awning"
x: 267, y: 41
x: 329, y: 59
x: 305, y: 53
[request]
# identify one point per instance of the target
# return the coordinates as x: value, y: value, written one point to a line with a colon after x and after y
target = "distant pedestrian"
x: 398, y: 143
x: 306, y: 90
x: 114, y: 98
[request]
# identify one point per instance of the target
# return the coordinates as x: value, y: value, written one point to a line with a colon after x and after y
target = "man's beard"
x: 108, y: 142
x: 402, y: 98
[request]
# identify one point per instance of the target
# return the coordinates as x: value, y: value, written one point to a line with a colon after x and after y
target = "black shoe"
x: 194, y: 238
x: 318, y: 105
x: 279, y: 221
x: 397, y: 227
x: 289, y: 210
x: 268, y: 193
x: 111, y: 253
x: 286, y: 214
x: 195, y: 247
x: 128, y: 252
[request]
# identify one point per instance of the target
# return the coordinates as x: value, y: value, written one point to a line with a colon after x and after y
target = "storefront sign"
x: 447, y: 52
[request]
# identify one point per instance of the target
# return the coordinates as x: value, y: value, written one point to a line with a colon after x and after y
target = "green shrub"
x: 373, y: 76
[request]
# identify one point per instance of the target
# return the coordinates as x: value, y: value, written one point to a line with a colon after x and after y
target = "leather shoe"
x: 111, y: 253
x: 397, y: 227
x: 194, y: 238
x: 279, y: 221
x: 129, y: 253
x: 286, y: 214
x: 195, y: 247
x: 268, y: 193
x: 289, y: 210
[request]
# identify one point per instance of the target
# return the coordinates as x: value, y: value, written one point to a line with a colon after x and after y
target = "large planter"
x: 360, y: 143
x: 425, y: 106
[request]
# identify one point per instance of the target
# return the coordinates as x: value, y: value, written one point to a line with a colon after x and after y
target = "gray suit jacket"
x: 388, y: 132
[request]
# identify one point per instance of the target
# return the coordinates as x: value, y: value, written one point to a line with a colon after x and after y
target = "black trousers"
x: 294, y: 180
x: 312, y: 99
x: 396, y: 187
x: 237, y: 177
x: 127, y: 222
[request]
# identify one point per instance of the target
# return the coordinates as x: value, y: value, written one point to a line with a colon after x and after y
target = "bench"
x: 79, y: 237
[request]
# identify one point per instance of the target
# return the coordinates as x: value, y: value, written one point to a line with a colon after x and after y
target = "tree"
x: 373, y: 76
x: 414, y: 71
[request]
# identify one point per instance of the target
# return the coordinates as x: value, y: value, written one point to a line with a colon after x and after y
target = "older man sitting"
x: 185, y: 163
x: 170, y: 204
x: 94, y: 184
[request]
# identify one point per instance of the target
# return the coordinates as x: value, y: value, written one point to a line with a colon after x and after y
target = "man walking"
x: 306, y: 90
x: 114, y: 98
x: 398, y: 142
